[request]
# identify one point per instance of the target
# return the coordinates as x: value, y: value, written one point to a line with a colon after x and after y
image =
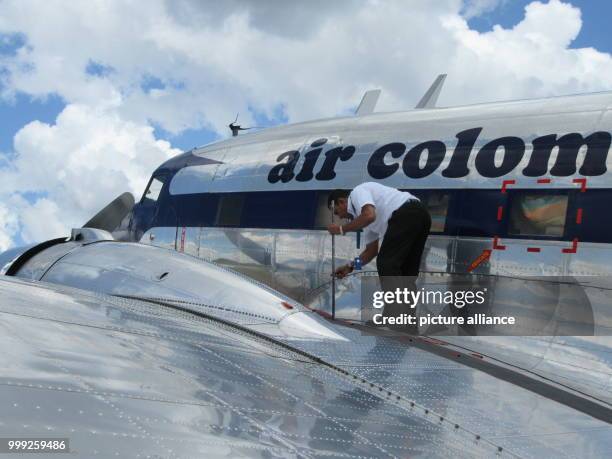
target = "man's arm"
x: 370, y: 251
x: 367, y: 216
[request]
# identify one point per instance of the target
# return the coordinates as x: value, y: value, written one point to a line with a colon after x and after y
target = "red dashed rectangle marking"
x: 500, y: 213
x: 579, y: 216
x: 534, y: 249
x: 582, y: 182
x: 497, y: 245
x: 573, y: 248
x: 505, y: 184
x: 544, y: 180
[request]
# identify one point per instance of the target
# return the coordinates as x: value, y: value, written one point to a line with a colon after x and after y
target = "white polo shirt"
x: 385, y: 199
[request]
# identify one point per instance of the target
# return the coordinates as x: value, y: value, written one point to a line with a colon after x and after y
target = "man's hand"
x: 342, y: 271
x: 334, y: 229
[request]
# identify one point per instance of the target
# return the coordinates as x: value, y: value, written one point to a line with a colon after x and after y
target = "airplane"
x: 206, y: 304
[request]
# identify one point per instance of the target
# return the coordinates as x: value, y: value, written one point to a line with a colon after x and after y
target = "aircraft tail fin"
x: 431, y: 96
x: 368, y: 102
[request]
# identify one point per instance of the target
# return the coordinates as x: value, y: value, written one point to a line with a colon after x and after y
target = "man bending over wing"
x: 395, y: 224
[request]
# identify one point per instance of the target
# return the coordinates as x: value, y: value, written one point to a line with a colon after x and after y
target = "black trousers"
x: 402, y: 246
x: 399, y: 256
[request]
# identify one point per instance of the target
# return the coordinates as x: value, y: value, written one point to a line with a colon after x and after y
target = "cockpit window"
x: 153, y: 190
x: 538, y: 215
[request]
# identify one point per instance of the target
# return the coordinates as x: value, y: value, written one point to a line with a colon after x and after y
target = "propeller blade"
x: 110, y: 217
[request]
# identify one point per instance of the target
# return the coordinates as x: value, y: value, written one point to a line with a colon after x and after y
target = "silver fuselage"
x: 297, y: 261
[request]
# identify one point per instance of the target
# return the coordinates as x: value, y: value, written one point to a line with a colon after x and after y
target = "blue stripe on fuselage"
x: 471, y: 213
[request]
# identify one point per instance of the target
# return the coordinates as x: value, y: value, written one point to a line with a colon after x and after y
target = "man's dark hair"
x: 337, y: 194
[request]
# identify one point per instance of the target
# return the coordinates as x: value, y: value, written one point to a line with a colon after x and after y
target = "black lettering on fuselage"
x: 436, y: 151
x: 597, y: 144
x: 332, y: 156
x: 284, y: 172
x: 514, y: 149
x: 457, y: 167
x: 310, y: 159
x: 377, y: 167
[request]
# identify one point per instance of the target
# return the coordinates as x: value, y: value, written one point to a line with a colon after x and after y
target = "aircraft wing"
x: 122, y: 377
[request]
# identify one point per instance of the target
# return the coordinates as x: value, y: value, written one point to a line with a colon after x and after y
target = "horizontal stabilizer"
x: 368, y: 102
x: 431, y: 96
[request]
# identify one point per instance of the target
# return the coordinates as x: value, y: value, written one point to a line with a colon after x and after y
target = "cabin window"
x: 437, y: 204
x: 278, y: 209
x: 538, y: 214
x: 153, y: 190
x: 230, y: 210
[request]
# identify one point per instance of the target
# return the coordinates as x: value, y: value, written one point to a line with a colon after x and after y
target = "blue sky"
x: 23, y: 109
x: 596, y: 16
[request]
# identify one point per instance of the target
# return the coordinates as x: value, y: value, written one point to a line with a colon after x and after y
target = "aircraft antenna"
x: 236, y: 128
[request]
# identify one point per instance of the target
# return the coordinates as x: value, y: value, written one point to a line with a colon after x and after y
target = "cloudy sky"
x: 95, y: 94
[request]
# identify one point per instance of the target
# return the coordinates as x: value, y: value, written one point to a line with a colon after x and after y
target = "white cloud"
x: 310, y: 59
x: 42, y: 220
x: 8, y: 226
x: 75, y: 167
